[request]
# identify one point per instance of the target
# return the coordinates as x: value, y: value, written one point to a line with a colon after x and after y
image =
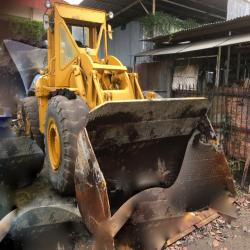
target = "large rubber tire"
x: 30, y: 112
x: 69, y: 117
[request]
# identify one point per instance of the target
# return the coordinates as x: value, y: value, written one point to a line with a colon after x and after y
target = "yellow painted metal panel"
x: 109, y: 67
x: 81, y: 70
x: 82, y: 14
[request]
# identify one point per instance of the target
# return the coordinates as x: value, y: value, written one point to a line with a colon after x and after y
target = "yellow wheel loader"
x: 144, y: 170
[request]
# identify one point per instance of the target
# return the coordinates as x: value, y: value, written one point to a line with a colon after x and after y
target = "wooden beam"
x: 153, y: 6
x: 144, y: 7
x: 217, y: 77
x: 193, y: 9
x: 126, y: 8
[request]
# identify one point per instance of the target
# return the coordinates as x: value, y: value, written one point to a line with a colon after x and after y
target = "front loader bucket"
x: 147, y: 166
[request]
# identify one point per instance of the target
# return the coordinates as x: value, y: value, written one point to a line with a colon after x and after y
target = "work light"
x: 111, y: 15
x: 48, y: 4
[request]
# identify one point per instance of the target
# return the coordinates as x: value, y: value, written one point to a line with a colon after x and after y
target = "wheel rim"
x: 53, y: 142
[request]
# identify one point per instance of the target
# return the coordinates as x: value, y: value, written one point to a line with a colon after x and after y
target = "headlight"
x: 111, y: 15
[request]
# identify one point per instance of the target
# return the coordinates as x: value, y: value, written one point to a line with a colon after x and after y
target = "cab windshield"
x: 87, y: 35
x: 81, y: 36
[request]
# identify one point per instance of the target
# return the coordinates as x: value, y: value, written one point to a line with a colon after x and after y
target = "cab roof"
x: 83, y: 14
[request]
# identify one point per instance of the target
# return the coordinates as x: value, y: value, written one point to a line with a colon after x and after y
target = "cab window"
x: 67, y: 49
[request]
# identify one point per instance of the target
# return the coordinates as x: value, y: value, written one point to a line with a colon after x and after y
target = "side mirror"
x: 110, y: 32
x: 46, y: 22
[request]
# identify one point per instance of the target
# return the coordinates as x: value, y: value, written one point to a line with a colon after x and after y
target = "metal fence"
x: 229, y: 112
x: 187, y: 91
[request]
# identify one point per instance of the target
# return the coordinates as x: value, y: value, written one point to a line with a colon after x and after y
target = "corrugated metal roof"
x: 113, y: 5
x: 165, y: 51
x: 206, y: 11
x: 208, y: 44
x: 212, y: 28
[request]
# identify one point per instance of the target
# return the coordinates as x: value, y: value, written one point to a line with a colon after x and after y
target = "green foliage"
x: 26, y: 30
x: 164, y: 24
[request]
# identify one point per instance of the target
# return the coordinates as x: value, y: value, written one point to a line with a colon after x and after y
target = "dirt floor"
x: 221, y: 234
x: 218, y: 235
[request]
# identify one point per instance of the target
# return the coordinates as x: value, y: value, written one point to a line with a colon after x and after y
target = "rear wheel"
x: 28, y: 121
x: 64, y: 120
x: 28, y: 115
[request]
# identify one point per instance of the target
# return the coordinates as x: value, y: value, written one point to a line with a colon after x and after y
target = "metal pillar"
x: 217, y: 78
x: 238, y: 66
x: 227, y: 65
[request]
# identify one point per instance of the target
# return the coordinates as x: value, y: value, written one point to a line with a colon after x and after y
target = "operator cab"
x: 81, y: 36
x: 89, y: 37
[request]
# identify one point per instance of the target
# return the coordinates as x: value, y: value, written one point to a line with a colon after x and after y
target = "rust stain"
x: 146, y: 195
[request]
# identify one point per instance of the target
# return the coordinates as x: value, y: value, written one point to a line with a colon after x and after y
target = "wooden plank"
x: 214, y: 215
x: 204, y: 217
x: 180, y: 236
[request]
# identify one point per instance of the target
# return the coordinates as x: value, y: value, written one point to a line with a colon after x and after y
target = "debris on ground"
x: 219, y: 233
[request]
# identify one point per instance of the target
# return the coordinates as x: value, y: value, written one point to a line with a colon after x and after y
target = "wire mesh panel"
x: 185, y: 91
x: 229, y: 112
x: 185, y: 76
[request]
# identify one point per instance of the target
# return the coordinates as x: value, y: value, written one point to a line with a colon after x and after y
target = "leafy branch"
x: 164, y: 24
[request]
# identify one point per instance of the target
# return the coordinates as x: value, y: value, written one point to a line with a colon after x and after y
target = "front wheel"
x: 64, y: 120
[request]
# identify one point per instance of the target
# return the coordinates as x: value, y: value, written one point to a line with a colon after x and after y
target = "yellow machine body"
x: 79, y: 69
